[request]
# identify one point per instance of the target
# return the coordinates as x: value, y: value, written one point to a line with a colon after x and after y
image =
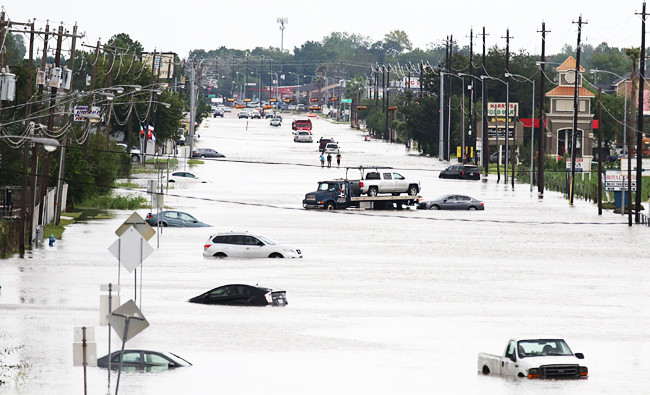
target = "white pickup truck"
x: 535, y: 359
x: 385, y: 180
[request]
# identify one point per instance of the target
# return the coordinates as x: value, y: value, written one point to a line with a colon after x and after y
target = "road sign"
x: 139, y: 224
x: 579, y: 164
x: 128, y: 312
x: 84, y: 335
x: 130, y: 249
x: 346, y: 101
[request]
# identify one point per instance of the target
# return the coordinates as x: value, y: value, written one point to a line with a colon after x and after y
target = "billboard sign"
x: 499, y: 109
x: 617, y: 181
x: 162, y: 64
x: 80, y: 111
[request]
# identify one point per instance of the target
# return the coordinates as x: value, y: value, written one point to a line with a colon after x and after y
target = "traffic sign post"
x: 106, y: 303
x: 127, y: 321
x: 84, y: 350
x: 130, y: 249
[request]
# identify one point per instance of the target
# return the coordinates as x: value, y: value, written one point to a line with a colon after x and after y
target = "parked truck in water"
x: 535, y: 359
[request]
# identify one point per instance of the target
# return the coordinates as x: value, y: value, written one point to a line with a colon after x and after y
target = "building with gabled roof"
x: 559, y: 119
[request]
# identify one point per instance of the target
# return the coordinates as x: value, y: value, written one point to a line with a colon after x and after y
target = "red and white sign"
x: 617, y: 181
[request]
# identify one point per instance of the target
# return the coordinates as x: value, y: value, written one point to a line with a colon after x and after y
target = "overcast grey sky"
x: 181, y: 26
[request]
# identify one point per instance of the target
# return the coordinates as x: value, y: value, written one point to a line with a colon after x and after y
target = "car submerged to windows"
x: 452, y: 202
x: 143, y: 360
x: 246, y: 245
x: 242, y: 295
x: 206, y: 153
x: 174, y: 218
x: 183, y: 176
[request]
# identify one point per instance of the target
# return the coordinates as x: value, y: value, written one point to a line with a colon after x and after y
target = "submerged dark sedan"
x: 174, y: 218
x: 243, y: 295
x: 143, y: 359
x: 452, y: 202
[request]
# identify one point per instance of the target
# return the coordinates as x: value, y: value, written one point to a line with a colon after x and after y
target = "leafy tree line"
x: 93, y: 162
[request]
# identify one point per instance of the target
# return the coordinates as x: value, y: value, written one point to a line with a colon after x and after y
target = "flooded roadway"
x: 382, y: 302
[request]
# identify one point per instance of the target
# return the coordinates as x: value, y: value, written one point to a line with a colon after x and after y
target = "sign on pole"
x: 579, y: 164
x: 112, y: 300
x: 499, y: 109
x: 615, y: 180
x: 79, y: 111
x: 84, y: 337
x: 139, y: 224
x: 128, y: 312
x: 130, y: 249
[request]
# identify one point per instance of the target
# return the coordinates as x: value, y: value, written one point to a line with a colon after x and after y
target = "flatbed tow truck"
x: 344, y: 193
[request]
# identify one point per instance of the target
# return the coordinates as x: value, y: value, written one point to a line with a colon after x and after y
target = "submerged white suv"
x: 247, y: 245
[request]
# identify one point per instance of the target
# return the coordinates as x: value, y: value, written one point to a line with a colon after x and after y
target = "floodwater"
x: 383, y: 302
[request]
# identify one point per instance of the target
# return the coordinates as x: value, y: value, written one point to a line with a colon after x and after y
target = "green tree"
x: 396, y: 42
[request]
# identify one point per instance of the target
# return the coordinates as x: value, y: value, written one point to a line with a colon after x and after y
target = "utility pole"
x: 28, y: 109
x: 59, y: 184
x: 109, y: 83
x: 600, y: 151
x: 421, y: 70
x: 576, y: 94
x: 542, y: 119
x: 447, y: 146
x: 485, y: 152
x: 35, y: 186
x: 259, y: 98
x: 441, y: 111
x: 192, y: 104
x: 246, y: 79
x: 509, y: 153
x: 93, y: 82
x: 144, y: 138
x: 472, y: 98
x: 389, y: 136
x: 441, y: 134
x: 639, y: 134
x: 376, y: 70
x: 50, y: 126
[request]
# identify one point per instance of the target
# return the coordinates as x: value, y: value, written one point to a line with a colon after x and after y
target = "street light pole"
x: 532, y: 125
x: 482, y: 111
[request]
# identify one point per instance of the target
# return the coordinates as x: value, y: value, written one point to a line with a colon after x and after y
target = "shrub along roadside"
x: 115, y: 202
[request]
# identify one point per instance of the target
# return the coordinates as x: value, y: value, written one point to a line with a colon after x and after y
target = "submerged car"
x: 206, y: 153
x: 452, y: 202
x: 143, y: 359
x: 174, y: 218
x: 462, y: 172
x: 276, y: 121
x: 184, y: 176
x: 243, y: 295
x: 247, y: 245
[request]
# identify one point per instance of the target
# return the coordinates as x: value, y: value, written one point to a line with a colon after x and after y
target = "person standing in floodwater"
x: 329, y: 160
x: 338, y: 159
x: 322, y: 160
